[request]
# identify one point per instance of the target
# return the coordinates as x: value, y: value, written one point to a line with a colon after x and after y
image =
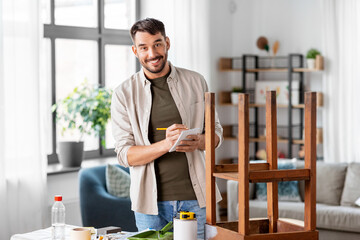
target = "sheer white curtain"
x: 187, y: 25
x: 22, y: 159
x: 341, y: 34
x: 191, y: 35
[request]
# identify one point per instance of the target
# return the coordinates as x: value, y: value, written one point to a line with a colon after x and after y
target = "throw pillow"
x: 117, y: 181
x: 330, y: 179
x: 351, y: 189
x: 287, y: 191
x: 357, y: 202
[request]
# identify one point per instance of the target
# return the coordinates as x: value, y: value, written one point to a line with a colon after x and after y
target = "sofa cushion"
x: 287, y: 191
x: 328, y: 189
x: 328, y: 217
x: 352, y: 185
x: 117, y: 181
x: 330, y: 179
x: 232, y: 188
x: 301, y: 184
x: 357, y: 202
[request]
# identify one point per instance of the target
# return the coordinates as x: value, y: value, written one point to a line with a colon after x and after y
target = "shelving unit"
x: 253, y: 64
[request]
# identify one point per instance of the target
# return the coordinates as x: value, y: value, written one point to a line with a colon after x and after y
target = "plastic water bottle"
x: 58, y: 219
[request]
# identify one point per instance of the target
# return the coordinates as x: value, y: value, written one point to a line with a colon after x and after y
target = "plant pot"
x: 234, y: 98
x: 310, y: 63
x: 71, y: 153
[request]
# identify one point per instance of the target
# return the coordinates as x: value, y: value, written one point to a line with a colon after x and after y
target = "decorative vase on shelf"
x: 234, y: 95
x: 310, y: 63
x: 310, y: 56
x: 234, y: 98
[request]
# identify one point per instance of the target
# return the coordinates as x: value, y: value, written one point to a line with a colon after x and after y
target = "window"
x: 87, y: 39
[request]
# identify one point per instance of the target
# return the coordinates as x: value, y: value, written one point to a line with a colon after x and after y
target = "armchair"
x: 98, y: 207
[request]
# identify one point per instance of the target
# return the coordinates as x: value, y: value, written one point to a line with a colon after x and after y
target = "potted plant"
x: 310, y: 56
x: 234, y: 94
x: 86, y: 110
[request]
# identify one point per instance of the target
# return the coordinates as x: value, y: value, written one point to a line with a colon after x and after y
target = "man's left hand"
x: 192, y: 143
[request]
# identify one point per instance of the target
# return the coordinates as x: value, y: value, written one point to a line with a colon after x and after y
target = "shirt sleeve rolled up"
x: 121, y: 128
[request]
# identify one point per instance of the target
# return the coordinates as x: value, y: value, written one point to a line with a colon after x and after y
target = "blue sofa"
x: 98, y: 207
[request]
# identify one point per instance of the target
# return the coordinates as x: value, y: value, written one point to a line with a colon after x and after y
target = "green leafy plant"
x: 237, y: 89
x: 312, y: 53
x: 87, y: 109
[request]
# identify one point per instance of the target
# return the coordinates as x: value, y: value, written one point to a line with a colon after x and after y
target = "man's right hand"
x: 173, y: 133
x: 140, y: 155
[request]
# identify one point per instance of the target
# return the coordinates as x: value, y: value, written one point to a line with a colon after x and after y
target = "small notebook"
x: 183, y: 136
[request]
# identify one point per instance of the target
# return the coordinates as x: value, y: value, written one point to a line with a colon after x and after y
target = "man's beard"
x: 161, y: 67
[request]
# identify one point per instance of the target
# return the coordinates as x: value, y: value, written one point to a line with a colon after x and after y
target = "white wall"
x: 295, y: 24
x: 66, y: 184
x: 187, y: 26
x: 221, y: 40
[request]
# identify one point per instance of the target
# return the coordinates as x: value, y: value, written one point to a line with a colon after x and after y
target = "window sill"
x: 53, y: 169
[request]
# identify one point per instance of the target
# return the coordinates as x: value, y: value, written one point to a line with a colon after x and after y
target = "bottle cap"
x: 58, y: 198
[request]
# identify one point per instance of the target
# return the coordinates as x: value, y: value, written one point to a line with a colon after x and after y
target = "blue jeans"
x: 168, y: 211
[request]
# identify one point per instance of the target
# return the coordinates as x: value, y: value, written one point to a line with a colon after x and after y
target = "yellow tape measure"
x: 187, y: 215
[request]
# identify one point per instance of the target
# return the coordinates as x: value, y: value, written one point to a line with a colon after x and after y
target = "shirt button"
x: 194, y: 184
x: 154, y: 190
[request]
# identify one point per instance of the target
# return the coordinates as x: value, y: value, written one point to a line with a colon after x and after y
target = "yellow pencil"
x: 161, y: 128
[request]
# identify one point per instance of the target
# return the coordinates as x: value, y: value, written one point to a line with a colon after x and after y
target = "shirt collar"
x: 171, y: 77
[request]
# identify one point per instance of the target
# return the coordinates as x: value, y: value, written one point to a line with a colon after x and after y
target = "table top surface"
x: 42, y: 234
x: 45, y: 234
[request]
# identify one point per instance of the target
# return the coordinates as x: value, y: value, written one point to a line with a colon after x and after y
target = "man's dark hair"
x: 149, y: 25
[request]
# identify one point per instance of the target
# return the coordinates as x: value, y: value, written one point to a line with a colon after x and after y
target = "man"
x: 161, y: 96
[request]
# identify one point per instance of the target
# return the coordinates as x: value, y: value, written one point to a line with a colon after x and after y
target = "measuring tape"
x: 184, y: 215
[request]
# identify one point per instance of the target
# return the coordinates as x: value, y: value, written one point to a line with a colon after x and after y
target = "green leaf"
x: 312, y: 53
x: 86, y: 108
x: 266, y: 47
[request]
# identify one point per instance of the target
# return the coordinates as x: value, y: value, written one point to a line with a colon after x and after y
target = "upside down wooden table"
x: 272, y: 227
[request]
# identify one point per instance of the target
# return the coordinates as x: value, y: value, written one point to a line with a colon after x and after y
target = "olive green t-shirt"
x: 172, y: 171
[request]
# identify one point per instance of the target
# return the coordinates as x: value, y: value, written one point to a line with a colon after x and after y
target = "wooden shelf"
x: 269, y: 175
x: 229, y: 168
x: 231, y: 70
x: 299, y: 141
x: 268, y: 65
x: 227, y: 176
x: 279, y: 175
x: 226, y: 65
x: 225, y: 100
x: 267, y: 70
x: 259, y: 105
x: 306, y: 70
x: 264, y: 140
x: 294, y: 141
